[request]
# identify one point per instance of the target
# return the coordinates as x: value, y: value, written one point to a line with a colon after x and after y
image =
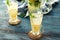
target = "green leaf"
x: 7, y: 2
x: 37, y: 3
x: 32, y: 15
x: 30, y: 3
x: 46, y: 0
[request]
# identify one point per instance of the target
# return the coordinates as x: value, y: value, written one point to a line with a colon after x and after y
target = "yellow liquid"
x: 36, y: 28
x: 13, y: 11
x: 36, y: 23
x: 13, y: 14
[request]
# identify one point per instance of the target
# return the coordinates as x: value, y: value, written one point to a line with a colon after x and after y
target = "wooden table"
x: 51, y: 25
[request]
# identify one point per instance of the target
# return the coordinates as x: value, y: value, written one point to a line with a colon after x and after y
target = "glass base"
x: 35, y: 37
x: 35, y: 33
x: 14, y: 22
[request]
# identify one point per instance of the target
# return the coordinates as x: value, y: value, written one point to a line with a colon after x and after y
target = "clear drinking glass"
x: 36, y: 23
x: 13, y: 12
x: 36, y: 16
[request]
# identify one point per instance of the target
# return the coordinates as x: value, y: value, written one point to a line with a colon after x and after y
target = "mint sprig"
x: 7, y: 2
x: 36, y: 3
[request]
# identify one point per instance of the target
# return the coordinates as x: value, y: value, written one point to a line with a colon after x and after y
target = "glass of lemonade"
x: 36, y: 23
x: 13, y: 12
x: 36, y: 16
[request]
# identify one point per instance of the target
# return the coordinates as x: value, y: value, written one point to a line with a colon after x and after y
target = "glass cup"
x: 36, y: 23
x: 36, y: 16
x: 13, y: 12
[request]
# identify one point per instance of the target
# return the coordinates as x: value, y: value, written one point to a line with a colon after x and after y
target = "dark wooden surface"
x: 51, y: 25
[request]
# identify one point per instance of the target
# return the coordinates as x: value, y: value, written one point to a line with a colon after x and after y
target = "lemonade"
x: 13, y: 11
x: 36, y: 23
x: 35, y: 15
x: 12, y: 6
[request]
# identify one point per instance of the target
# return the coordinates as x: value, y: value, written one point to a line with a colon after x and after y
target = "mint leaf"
x: 37, y: 3
x: 30, y: 3
x: 7, y: 2
x: 32, y: 15
x: 46, y: 0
